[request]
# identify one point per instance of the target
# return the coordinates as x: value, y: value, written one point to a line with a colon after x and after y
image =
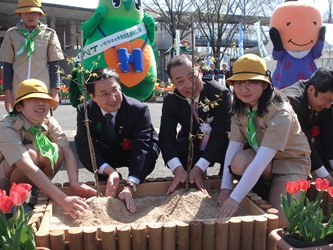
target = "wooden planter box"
x: 276, y: 235
x: 243, y: 232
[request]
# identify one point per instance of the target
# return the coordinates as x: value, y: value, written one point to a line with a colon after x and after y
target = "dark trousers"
x: 122, y: 158
x: 183, y: 149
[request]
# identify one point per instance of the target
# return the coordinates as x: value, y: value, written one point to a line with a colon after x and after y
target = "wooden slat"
x: 45, y: 224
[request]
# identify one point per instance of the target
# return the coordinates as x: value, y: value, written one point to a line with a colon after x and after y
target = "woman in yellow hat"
x: 33, y: 147
x: 30, y: 50
x: 276, y: 150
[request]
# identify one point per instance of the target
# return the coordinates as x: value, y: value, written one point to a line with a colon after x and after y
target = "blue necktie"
x: 110, y: 133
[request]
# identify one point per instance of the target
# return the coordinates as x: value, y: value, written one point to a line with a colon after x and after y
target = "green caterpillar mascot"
x: 119, y: 36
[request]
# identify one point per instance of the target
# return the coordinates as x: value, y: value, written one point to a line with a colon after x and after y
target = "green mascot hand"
x: 90, y: 26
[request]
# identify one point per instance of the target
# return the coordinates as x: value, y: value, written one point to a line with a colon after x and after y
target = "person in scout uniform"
x: 22, y: 60
x: 278, y: 150
x: 33, y: 147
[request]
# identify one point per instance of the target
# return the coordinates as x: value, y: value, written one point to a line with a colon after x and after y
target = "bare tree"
x: 175, y: 14
x: 328, y: 15
x: 218, y: 21
x: 215, y: 20
x: 268, y: 6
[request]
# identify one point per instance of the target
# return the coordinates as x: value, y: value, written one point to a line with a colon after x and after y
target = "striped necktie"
x: 251, y: 134
x: 196, y: 111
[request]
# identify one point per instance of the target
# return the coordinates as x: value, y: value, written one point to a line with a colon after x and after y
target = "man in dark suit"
x: 225, y: 71
x: 213, y: 70
x: 211, y: 122
x: 126, y: 139
x: 312, y: 101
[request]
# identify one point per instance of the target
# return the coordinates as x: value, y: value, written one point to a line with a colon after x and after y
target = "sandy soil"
x: 179, y: 206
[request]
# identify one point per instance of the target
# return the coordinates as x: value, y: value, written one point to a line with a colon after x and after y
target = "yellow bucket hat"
x: 26, y: 6
x: 249, y: 67
x: 32, y: 88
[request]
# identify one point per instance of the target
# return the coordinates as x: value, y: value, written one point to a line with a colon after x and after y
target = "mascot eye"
x: 116, y: 3
x: 315, y: 23
x: 138, y: 4
x: 288, y: 23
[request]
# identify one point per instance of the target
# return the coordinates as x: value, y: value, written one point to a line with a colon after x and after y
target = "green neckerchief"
x: 251, y: 134
x: 44, y: 145
x: 28, y: 42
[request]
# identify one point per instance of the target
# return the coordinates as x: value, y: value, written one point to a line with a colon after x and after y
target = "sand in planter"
x: 179, y: 206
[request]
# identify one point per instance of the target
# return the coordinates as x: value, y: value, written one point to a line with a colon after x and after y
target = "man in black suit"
x: 211, y: 123
x: 225, y: 71
x: 129, y: 140
x: 312, y: 101
x: 213, y: 70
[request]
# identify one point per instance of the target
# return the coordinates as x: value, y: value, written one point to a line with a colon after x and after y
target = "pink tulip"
x: 6, y: 204
x: 292, y: 187
x: 304, y: 184
x: 2, y: 193
x: 322, y: 184
x: 19, y: 192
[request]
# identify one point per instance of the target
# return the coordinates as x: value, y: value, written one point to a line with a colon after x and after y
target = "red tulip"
x: 292, y: 187
x: 304, y: 184
x: 330, y: 191
x: 19, y: 192
x: 322, y: 184
x: 2, y: 193
x: 6, y: 204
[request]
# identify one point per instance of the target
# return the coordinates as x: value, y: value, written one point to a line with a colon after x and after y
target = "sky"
x: 92, y: 4
x: 77, y: 3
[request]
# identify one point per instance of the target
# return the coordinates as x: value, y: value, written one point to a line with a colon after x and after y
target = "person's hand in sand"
x: 196, y: 177
x: 180, y: 176
x: 228, y: 209
x: 126, y: 196
x: 223, y: 196
x: 74, y: 206
x: 112, y: 184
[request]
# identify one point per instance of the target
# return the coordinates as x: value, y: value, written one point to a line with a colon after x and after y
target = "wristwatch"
x: 133, y: 187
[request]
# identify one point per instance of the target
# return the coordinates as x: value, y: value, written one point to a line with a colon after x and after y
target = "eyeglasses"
x: 106, y: 95
x: 325, y: 99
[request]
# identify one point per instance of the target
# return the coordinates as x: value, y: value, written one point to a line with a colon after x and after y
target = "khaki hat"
x: 32, y: 88
x: 249, y: 67
x: 26, y: 6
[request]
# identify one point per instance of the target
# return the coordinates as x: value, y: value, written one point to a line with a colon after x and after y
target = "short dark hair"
x: 322, y: 80
x: 98, y: 75
x: 179, y: 61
